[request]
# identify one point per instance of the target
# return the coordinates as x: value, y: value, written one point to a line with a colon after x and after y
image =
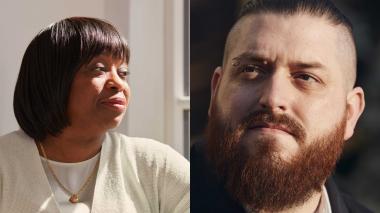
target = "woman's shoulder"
x: 140, y: 146
x: 149, y: 151
x: 15, y: 140
x: 15, y: 135
x: 161, y: 172
x: 18, y: 151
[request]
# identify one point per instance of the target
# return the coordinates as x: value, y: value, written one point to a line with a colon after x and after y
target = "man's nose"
x: 276, y: 93
x: 114, y: 82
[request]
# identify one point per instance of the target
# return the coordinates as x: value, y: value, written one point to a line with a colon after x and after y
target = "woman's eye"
x: 102, y: 69
x: 123, y: 73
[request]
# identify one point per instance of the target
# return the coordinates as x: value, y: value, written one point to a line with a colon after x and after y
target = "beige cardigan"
x: 135, y: 175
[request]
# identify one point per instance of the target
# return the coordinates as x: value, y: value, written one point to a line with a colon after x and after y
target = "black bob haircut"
x: 48, y: 68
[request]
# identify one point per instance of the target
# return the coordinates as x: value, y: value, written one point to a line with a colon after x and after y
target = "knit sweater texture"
x: 134, y: 175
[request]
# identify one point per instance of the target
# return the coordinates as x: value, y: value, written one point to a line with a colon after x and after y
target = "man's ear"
x: 215, y: 81
x: 355, y: 107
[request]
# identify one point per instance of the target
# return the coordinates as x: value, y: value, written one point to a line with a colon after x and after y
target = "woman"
x: 71, y: 90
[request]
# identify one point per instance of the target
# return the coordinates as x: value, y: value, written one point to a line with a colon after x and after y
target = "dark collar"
x: 341, y: 202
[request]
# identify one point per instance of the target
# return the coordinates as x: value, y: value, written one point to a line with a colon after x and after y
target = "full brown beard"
x: 261, y: 180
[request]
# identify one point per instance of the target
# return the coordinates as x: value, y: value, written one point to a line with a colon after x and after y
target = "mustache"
x: 266, y: 117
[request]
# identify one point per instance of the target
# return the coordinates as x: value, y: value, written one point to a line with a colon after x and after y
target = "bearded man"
x: 282, y: 106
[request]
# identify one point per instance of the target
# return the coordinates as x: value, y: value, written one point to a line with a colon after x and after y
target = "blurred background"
x: 157, y: 32
x: 358, y: 171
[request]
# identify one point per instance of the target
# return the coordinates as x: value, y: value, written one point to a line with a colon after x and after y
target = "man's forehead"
x: 261, y: 20
x: 299, y: 28
x: 268, y: 34
x: 302, y: 37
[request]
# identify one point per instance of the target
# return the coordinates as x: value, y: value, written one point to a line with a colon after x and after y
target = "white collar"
x: 323, y: 206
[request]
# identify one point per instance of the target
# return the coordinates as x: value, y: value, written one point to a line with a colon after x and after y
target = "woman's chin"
x: 115, y: 122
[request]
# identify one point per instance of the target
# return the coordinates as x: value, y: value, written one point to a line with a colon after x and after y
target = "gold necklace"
x: 74, y: 197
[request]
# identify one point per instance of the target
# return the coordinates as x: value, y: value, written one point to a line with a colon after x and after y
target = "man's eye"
x: 305, y: 77
x: 252, y: 68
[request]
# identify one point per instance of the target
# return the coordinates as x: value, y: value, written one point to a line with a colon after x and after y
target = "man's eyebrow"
x: 299, y: 64
x: 307, y: 65
x: 251, y: 57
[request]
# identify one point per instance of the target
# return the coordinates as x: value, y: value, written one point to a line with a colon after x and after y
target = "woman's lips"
x: 118, y: 104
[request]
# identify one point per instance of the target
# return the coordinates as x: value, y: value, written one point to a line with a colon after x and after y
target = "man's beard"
x: 262, y: 180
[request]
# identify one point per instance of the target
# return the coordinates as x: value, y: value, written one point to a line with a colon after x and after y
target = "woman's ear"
x: 355, y: 107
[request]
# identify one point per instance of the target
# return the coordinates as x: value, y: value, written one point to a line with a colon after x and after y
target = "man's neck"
x: 310, y: 206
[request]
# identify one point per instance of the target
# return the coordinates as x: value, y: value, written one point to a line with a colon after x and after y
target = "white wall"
x: 156, y: 35
x: 147, y: 69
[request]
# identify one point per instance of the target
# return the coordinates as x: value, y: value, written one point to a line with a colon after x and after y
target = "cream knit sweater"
x: 135, y: 175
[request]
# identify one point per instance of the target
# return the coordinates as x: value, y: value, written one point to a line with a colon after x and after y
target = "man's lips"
x: 271, y: 126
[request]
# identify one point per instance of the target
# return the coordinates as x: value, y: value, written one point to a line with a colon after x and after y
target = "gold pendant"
x: 74, y: 198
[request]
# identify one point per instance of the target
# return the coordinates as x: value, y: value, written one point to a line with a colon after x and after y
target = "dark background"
x: 358, y: 171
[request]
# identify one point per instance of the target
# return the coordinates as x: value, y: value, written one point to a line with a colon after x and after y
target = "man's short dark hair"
x: 319, y: 8
x: 48, y: 68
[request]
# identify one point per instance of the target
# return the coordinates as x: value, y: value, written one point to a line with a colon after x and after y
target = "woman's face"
x: 99, y: 95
